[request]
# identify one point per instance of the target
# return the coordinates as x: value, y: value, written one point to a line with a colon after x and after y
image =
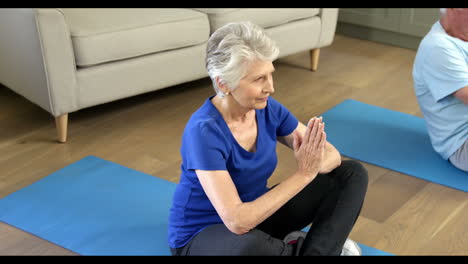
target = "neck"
x: 445, y: 24
x: 453, y: 29
x: 230, y: 109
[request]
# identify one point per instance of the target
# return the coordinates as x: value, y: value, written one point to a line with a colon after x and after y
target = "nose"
x: 269, y: 88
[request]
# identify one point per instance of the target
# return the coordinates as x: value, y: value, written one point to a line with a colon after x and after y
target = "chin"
x: 261, y: 105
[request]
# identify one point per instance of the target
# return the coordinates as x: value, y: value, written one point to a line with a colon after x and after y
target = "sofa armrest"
x: 329, y: 17
x: 36, y: 57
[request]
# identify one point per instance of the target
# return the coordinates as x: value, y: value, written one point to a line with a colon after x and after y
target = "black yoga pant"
x: 331, y: 202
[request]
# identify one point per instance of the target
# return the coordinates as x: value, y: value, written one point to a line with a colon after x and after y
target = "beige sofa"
x: 67, y: 59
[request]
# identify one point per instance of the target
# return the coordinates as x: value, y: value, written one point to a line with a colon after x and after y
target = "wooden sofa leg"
x: 314, y: 58
x: 61, y: 123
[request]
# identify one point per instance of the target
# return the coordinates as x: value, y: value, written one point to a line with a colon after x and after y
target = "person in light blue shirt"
x: 440, y: 75
x: 222, y: 204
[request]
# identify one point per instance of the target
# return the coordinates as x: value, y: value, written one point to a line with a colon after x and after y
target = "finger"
x: 308, y: 130
x: 323, y: 141
x: 318, y: 135
x: 313, y: 133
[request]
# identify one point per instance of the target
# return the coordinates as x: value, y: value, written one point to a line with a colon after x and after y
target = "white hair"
x: 232, y: 48
x: 443, y: 11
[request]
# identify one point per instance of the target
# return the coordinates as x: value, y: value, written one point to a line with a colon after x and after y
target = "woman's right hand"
x: 309, y: 150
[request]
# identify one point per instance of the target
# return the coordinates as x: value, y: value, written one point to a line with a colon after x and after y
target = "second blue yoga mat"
x: 389, y: 139
x: 97, y: 207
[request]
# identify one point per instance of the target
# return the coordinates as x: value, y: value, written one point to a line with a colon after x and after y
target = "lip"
x: 263, y: 99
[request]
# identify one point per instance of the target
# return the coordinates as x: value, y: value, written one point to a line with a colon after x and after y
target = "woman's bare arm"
x: 240, y: 217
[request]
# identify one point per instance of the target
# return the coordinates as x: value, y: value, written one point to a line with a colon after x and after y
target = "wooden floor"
x: 402, y: 215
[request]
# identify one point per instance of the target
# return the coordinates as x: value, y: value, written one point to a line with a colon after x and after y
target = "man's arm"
x: 332, y: 158
x: 462, y: 94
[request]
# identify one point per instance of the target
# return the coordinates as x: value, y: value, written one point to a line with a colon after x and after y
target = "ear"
x: 221, y: 85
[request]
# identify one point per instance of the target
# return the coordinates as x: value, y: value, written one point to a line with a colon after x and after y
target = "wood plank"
x: 389, y: 193
x: 410, y: 228
x: 17, y: 242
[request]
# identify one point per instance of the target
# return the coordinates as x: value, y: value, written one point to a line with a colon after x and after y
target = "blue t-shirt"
x: 440, y: 69
x: 208, y: 144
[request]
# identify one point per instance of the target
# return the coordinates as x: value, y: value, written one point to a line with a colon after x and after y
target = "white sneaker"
x: 351, y: 248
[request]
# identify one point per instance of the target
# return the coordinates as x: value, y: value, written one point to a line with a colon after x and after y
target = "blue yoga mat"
x: 389, y: 139
x: 366, y: 250
x: 97, y: 207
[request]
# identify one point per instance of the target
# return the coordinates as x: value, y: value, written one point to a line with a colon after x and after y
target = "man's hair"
x: 443, y: 11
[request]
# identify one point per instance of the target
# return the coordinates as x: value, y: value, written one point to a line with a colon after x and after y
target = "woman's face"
x: 253, y: 90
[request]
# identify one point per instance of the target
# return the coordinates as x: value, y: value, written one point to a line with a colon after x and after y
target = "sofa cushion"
x: 264, y: 17
x: 101, y: 35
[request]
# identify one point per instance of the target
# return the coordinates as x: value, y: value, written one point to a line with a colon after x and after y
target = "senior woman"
x: 222, y: 205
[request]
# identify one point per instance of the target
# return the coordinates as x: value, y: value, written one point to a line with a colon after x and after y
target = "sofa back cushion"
x: 264, y: 17
x: 101, y: 35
